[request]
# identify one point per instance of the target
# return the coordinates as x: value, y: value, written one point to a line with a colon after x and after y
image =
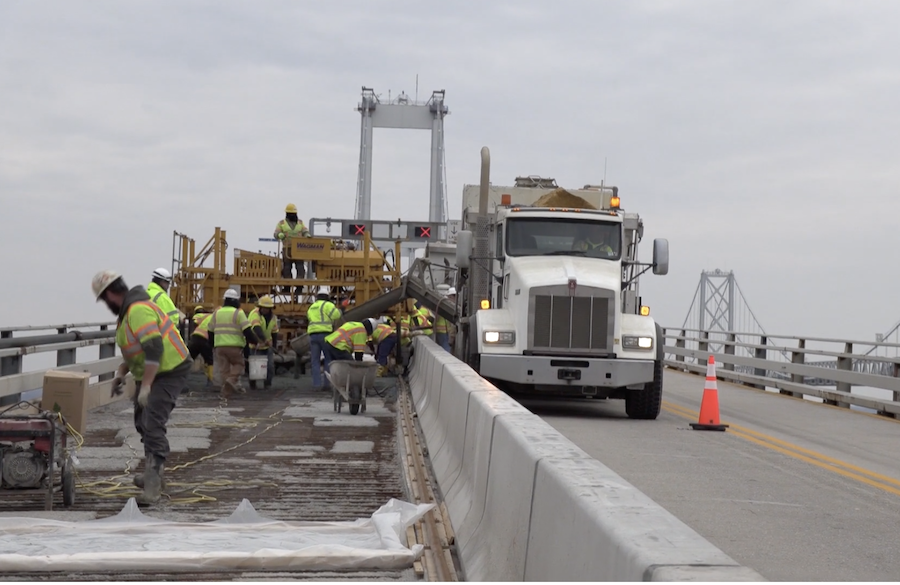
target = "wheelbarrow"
x: 349, y: 382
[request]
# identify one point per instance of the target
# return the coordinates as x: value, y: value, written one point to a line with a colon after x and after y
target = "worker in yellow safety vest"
x: 350, y: 338
x: 158, y: 360
x: 263, y: 317
x: 320, y: 317
x: 426, y: 319
x: 593, y: 241
x: 201, y: 343
x: 158, y: 289
x: 290, y: 227
x: 384, y: 341
x: 232, y: 331
x: 441, y: 325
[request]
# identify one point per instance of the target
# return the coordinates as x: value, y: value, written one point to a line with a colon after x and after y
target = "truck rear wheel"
x: 646, y: 403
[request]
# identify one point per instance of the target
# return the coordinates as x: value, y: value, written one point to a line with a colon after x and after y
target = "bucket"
x: 258, y: 366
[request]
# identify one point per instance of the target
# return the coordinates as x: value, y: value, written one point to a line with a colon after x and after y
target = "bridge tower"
x: 406, y: 113
x: 719, y: 306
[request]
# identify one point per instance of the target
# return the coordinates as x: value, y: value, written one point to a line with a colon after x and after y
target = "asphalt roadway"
x: 796, y: 490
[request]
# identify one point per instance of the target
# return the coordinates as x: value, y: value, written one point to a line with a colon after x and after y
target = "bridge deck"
x: 283, y: 449
x: 795, y: 490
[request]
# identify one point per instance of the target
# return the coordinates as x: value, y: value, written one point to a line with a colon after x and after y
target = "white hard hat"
x: 102, y: 280
x: 162, y: 273
x: 322, y: 290
x: 372, y: 322
x: 451, y: 291
x: 232, y: 294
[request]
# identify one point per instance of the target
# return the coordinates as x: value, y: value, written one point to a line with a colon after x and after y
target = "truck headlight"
x: 500, y: 337
x: 635, y: 342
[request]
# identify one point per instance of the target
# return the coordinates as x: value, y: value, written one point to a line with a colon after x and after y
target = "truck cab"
x: 561, y: 314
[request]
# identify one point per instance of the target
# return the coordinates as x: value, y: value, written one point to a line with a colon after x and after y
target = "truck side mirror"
x: 465, y: 243
x: 660, y: 256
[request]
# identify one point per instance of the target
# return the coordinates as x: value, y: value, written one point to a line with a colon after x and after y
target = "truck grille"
x: 579, y: 323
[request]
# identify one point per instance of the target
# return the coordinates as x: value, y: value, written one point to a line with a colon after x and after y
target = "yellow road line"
x: 820, y: 460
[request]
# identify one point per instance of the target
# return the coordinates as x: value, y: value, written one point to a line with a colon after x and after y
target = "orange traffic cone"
x: 709, y: 407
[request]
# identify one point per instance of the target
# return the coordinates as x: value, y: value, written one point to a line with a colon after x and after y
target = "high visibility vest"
x: 382, y: 332
x: 268, y: 328
x: 441, y: 325
x: 425, y: 318
x: 321, y: 316
x: 229, y: 323
x: 203, y: 326
x: 351, y: 337
x: 406, y: 323
x: 162, y: 300
x: 144, y: 321
x: 283, y: 227
x: 200, y: 318
x: 586, y: 244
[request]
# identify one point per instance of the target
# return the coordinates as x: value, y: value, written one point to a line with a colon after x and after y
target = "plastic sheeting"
x: 245, y: 540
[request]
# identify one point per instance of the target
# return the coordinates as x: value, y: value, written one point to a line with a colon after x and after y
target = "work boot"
x: 253, y: 384
x: 139, y: 481
x: 153, y: 481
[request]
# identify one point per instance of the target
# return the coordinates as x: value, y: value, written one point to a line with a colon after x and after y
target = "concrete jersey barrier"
x: 527, y: 504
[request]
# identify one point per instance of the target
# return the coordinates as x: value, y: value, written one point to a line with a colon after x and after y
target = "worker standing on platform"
x: 321, y: 317
x: 263, y: 318
x: 351, y: 337
x: 157, y: 358
x: 232, y: 331
x: 290, y: 227
x: 441, y: 325
x: 158, y: 289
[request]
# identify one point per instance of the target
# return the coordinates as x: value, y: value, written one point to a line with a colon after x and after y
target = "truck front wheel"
x: 646, y: 403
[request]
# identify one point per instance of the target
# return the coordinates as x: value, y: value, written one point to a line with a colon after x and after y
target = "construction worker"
x: 384, y: 340
x: 157, y: 358
x: 201, y: 343
x: 321, y: 317
x: 351, y: 337
x: 232, y: 331
x: 593, y: 241
x: 441, y: 325
x: 290, y: 227
x: 425, y: 318
x: 158, y: 289
x: 263, y: 317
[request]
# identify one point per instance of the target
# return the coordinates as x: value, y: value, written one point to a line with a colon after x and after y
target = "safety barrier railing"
x: 66, y: 340
x: 798, y: 366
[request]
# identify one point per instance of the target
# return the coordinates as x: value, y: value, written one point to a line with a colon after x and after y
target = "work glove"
x: 117, y: 390
x: 144, y: 396
x: 280, y: 236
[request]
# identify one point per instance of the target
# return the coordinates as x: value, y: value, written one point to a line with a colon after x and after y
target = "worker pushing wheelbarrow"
x: 349, y: 382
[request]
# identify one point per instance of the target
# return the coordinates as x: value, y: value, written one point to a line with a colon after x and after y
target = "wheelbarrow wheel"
x: 355, y: 399
x: 337, y: 399
x: 68, y: 485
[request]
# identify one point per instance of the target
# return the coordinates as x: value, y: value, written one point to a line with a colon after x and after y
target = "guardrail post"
x: 679, y: 343
x: 761, y: 353
x: 10, y: 366
x: 64, y: 357
x: 844, y: 364
x: 797, y: 357
x: 730, y: 341
x: 107, y: 350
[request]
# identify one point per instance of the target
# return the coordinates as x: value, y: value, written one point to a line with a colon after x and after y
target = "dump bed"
x: 530, y: 195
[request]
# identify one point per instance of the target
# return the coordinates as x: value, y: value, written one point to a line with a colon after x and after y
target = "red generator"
x: 34, y: 456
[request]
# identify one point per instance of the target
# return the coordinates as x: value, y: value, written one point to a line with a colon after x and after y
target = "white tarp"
x: 134, y: 542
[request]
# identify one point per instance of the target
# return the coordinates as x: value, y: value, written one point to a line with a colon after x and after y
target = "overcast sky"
x: 759, y: 137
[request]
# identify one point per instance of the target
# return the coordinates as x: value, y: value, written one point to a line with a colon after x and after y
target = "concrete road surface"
x: 796, y: 490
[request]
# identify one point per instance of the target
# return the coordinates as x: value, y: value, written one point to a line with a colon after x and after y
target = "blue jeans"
x: 385, y: 348
x: 316, y: 351
x: 443, y: 339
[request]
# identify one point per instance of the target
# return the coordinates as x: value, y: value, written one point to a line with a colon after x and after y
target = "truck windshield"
x: 563, y: 237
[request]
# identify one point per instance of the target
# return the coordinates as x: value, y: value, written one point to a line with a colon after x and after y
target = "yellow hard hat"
x: 291, y: 208
x: 198, y: 309
x: 266, y: 302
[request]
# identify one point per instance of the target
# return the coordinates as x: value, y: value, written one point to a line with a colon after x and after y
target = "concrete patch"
x: 345, y: 421
x: 353, y: 447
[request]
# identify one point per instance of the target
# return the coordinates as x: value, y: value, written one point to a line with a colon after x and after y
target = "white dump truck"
x: 549, y: 302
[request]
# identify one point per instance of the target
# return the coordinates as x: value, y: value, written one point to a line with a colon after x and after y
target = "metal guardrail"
x: 65, y: 342
x: 783, y: 362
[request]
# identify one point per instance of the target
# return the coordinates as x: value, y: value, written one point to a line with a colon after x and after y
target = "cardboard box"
x: 69, y: 392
